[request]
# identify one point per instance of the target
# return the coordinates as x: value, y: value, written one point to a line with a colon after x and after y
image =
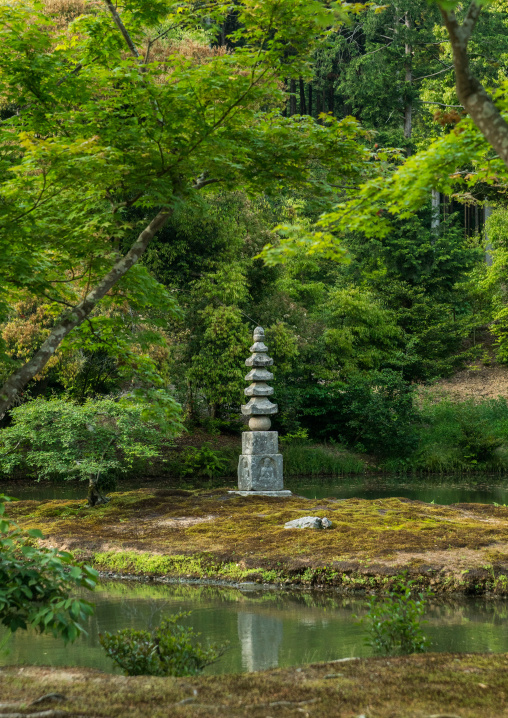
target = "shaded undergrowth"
x: 466, y: 437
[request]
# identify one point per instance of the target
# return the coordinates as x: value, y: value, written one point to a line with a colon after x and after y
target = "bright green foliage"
x: 109, y: 132
x: 222, y: 337
x: 360, y: 332
x: 394, y: 623
x: 36, y: 585
x: 96, y: 140
x: 203, y: 462
x: 168, y: 650
x: 401, y: 193
x: 60, y: 439
x: 487, y: 52
x: 364, y: 67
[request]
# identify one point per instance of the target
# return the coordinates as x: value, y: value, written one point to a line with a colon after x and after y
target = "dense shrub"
x: 169, y: 650
x: 374, y: 414
x: 203, y: 461
x: 61, y: 439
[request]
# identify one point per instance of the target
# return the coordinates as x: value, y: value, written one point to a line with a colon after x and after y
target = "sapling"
x: 394, y: 622
x: 55, y: 438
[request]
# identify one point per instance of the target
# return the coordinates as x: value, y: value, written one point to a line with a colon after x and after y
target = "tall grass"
x: 459, y: 437
x: 302, y: 459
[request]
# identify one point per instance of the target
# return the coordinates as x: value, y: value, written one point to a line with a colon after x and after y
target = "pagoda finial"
x: 259, y: 408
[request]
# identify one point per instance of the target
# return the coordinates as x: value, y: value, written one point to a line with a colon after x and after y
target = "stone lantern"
x: 260, y: 464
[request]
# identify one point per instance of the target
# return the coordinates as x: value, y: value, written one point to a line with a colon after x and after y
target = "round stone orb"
x: 259, y: 423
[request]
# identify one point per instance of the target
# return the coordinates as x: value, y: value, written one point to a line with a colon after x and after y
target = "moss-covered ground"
x: 424, y: 686
x: 216, y: 535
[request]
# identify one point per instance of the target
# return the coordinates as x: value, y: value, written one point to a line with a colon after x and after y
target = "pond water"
x: 264, y: 628
x: 440, y: 490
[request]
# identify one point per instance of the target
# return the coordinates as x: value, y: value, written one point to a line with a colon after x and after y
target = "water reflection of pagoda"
x: 260, y: 637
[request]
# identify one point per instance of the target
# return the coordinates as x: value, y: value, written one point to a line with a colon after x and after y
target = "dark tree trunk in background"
x: 95, y: 495
x: 303, y: 104
x: 331, y: 98
x: 310, y: 99
x: 292, y: 97
x: 319, y: 102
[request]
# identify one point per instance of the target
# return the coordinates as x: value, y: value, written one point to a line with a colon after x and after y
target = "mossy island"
x: 213, y: 535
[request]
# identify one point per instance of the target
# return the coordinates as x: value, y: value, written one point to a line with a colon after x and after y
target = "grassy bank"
x: 422, y: 686
x: 216, y: 535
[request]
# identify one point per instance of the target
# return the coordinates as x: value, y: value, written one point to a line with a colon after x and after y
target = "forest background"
x: 359, y: 335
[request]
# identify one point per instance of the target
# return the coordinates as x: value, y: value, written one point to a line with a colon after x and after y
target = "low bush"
x: 203, y: 461
x: 394, y: 623
x: 55, y: 438
x: 169, y: 650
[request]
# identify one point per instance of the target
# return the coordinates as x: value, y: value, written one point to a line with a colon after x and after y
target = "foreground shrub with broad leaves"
x: 36, y: 585
x: 169, y: 650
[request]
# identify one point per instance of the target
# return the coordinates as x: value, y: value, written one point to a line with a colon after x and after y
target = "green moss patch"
x: 413, y: 686
x: 213, y: 534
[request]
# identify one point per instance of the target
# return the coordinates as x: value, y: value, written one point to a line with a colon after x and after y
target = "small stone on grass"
x: 308, y: 522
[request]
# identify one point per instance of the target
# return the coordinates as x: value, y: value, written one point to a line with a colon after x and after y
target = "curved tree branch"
x: 471, y: 93
x: 17, y: 381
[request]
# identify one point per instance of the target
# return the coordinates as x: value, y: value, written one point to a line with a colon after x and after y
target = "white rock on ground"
x: 308, y: 522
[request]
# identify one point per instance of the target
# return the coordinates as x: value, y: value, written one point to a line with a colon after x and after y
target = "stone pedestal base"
x: 262, y: 493
x: 260, y: 464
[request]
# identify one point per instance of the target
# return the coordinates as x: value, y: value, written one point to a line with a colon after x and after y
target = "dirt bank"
x: 217, y: 535
x: 424, y: 686
x: 478, y: 382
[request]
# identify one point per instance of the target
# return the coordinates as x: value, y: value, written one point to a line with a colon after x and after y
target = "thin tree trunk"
x: 292, y: 97
x: 95, y: 496
x: 310, y: 100
x: 436, y: 202
x: 303, y: 104
x: 286, y: 112
x: 471, y: 93
x: 17, y: 381
x: 408, y: 108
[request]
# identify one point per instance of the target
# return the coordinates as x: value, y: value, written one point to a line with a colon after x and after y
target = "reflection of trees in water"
x: 260, y: 637
x: 451, y: 611
x: 266, y: 628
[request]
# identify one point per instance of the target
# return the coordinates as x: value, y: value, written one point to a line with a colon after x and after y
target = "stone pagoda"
x: 260, y: 464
